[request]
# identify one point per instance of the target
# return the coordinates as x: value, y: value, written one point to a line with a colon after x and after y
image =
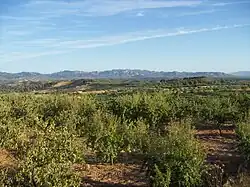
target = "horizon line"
x: 123, y: 69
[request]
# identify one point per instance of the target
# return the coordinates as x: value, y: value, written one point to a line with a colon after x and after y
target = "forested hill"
x: 109, y: 74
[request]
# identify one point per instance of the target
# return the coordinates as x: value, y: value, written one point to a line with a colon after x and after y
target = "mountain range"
x: 113, y: 74
x: 241, y: 74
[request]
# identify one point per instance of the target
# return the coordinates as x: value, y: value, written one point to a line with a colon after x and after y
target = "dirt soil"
x: 117, y: 175
x: 6, y: 159
x: 222, y: 150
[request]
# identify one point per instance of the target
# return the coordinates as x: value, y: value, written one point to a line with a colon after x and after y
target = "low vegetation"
x: 44, y: 137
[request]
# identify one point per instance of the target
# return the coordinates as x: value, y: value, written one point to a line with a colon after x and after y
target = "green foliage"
x: 50, y: 175
x: 46, y: 160
x: 244, y: 105
x: 155, y: 109
x: 47, y: 134
x: 161, y: 179
x: 105, y: 139
x: 176, y: 159
x: 44, y: 153
x: 213, y: 175
x: 243, y: 132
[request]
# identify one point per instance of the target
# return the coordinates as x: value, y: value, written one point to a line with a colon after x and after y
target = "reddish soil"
x: 117, y: 175
x: 222, y: 149
x: 6, y: 159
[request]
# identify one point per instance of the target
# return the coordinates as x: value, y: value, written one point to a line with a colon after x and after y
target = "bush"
x: 102, y: 135
x: 176, y: 159
x: 46, y: 159
x: 50, y: 175
x: 243, y: 132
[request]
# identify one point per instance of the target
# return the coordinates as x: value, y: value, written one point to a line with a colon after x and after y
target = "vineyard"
x: 63, y: 139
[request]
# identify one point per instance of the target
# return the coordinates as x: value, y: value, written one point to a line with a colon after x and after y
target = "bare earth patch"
x: 6, y: 159
x: 62, y: 83
x: 117, y: 175
x: 222, y: 149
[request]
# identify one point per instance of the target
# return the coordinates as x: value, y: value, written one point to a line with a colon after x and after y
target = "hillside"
x: 242, y: 74
x: 109, y: 74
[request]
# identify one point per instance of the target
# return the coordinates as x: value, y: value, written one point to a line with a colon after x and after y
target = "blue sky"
x: 176, y: 35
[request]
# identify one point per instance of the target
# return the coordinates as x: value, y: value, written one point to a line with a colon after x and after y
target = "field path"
x: 222, y: 149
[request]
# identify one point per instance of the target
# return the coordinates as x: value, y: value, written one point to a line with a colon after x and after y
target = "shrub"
x: 46, y: 160
x: 50, y: 175
x: 103, y: 136
x: 176, y: 159
x: 243, y: 132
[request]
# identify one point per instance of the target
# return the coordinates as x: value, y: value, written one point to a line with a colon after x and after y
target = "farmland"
x: 190, y: 132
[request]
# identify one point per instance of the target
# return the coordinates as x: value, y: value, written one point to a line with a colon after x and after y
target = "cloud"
x: 19, y: 33
x: 140, y: 14
x: 16, y: 18
x: 61, y: 8
x: 21, y: 26
x: 133, y: 37
x: 58, y: 46
x: 41, y: 16
x: 195, y: 13
x: 16, y: 56
x: 105, y: 7
x: 230, y: 3
x: 46, y: 41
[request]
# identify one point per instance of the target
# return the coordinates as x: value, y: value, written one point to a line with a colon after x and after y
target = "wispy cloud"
x: 59, y: 47
x: 60, y: 8
x: 18, y: 18
x: 140, y: 14
x: 28, y: 25
x: 19, y: 33
x: 195, y: 13
x: 133, y: 37
x: 105, y: 7
x: 17, y: 56
x: 46, y: 41
x: 230, y: 3
x: 46, y: 15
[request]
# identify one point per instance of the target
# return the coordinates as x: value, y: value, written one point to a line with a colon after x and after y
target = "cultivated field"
x: 187, y: 133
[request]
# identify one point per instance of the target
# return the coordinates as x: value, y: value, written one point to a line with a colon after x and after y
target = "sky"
x: 94, y: 35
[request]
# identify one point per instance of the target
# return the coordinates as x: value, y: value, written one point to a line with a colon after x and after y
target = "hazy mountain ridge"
x: 110, y: 74
x: 241, y: 74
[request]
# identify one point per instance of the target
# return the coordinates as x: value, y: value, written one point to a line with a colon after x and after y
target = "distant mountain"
x: 241, y: 74
x: 109, y: 74
x: 21, y: 75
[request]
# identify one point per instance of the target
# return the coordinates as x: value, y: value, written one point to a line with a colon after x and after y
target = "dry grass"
x: 62, y: 83
x: 242, y: 181
x: 6, y: 159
